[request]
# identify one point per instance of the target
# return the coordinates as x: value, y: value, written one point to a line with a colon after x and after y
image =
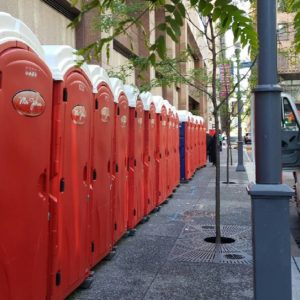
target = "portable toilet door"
x: 26, y: 107
x: 171, y: 163
x: 150, y: 192
x: 176, y: 149
x: 162, y: 131
x: 171, y: 150
x: 71, y: 169
x: 190, y: 148
x: 168, y: 146
x: 183, y: 117
x: 196, y: 142
x: 102, y: 155
x: 203, y: 143
x: 120, y: 160
x: 135, y: 157
x: 197, y: 135
x: 193, y: 147
x: 200, y: 142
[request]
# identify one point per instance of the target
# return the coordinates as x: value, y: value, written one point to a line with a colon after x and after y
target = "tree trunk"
x: 217, y: 190
x: 217, y: 128
x: 227, y: 153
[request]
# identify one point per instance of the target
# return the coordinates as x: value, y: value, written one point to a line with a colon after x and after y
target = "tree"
x: 115, y: 17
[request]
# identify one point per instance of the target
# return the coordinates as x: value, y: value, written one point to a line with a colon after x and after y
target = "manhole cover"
x: 192, y: 247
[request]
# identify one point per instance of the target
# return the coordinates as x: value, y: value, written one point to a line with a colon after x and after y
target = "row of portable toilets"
x: 83, y: 160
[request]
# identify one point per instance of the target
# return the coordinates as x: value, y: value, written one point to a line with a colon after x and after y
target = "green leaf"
x: 161, y: 46
x: 178, y: 18
x: 181, y: 9
x: 171, y: 34
x: 193, y: 2
x: 207, y: 10
x: 162, y: 26
x: 170, y: 8
x: 152, y: 59
x: 216, y: 13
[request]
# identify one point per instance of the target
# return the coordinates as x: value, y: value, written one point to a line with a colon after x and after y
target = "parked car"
x: 247, y: 138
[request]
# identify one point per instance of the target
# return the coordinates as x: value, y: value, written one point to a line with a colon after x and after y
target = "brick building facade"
x: 48, y: 19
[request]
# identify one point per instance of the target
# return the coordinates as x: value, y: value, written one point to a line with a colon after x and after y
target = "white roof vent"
x: 158, y: 101
x: 60, y: 58
x: 117, y: 88
x: 167, y: 104
x: 183, y: 115
x: 132, y: 94
x: 12, y: 29
x: 201, y: 119
x: 98, y: 75
x: 147, y: 99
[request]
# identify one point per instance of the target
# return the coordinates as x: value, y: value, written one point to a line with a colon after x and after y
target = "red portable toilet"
x: 168, y: 146
x: 26, y: 108
x: 120, y: 160
x: 184, y: 144
x: 176, y: 148
x: 102, y: 156
x: 150, y: 179
x: 203, y: 142
x: 171, y: 158
x: 192, y: 146
x: 197, y: 135
x: 136, y: 205
x: 161, y: 146
x: 70, y: 171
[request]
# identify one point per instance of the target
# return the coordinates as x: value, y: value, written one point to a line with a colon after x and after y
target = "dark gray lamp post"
x: 270, y: 198
x: 240, y: 167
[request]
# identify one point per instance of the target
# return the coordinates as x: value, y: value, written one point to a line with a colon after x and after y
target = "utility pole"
x: 269, y: 197
x: 240, y: 167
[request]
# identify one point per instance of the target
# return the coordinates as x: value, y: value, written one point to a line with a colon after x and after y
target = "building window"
x: 64, y: 7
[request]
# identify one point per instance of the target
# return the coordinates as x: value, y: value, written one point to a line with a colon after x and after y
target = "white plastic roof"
x: 183, y: 115
x: 191, y: 116
x: 12, y: 29
x: 132, y: 93
x: 117, y: 88
x: 147, y: 99
x: 98, y: 75
x: 60, y: 58
x: 158, y: 101
x: 174, y: 110
x: 167, y: 104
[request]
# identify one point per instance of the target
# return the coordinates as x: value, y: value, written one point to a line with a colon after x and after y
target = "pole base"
x: 271, y: 240
x: 240, y: 168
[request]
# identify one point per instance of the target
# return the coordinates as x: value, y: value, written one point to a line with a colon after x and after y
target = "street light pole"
x: 240, y: 167
x: 269, y: 197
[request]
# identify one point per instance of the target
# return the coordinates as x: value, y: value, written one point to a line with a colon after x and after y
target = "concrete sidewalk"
x: 168, y: 257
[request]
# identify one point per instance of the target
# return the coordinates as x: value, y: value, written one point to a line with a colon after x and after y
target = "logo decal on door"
x: 123, y: 121
x: 79, y: 114
x: 105, y: 114
x: 140, y: 122
x: 29, y: 103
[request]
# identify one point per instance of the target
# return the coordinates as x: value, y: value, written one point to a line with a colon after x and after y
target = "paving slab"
x: 168, y: 257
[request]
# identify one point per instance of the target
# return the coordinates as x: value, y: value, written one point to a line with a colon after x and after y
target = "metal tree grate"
x: 191, y: 247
